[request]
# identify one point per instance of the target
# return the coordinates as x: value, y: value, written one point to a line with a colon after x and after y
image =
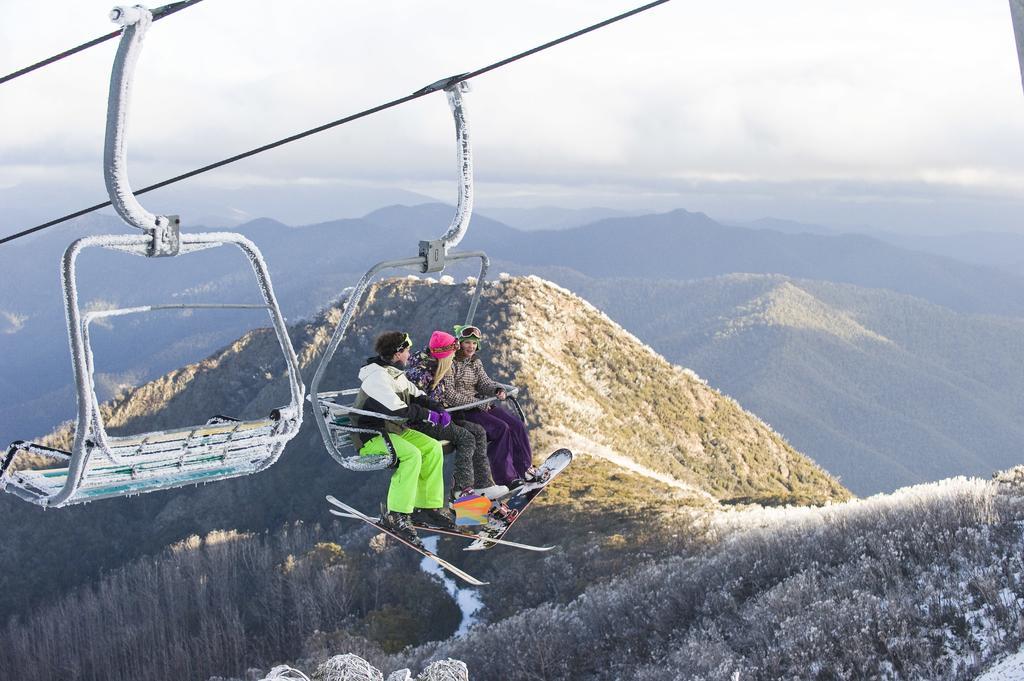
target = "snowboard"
x: 520, y: 498
x: 375, y: 522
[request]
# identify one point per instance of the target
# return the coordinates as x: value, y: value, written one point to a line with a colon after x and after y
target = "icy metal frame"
x: 453, y: 88
x: 323, y: 405
x: 162, y: 229
x: 221, y: 448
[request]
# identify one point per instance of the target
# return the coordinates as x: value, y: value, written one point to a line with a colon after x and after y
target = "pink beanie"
x: 442, y: 344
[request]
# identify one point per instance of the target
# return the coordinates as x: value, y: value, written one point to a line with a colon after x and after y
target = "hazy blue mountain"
x: 681, y: 245
x: 29, y: 203
x: 1004, y: 250
x: 882, y: 389
x: 312, y: 264
x: 789, y: 226
x: 551, y: 217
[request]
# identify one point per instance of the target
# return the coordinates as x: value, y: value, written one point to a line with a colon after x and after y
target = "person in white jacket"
x: 416, y: 493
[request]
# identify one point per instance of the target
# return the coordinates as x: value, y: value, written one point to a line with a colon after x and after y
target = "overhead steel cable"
x: 158, y: 13
x: 434, y: 87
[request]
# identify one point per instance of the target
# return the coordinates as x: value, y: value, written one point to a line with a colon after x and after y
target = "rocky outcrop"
x: 351, y: 667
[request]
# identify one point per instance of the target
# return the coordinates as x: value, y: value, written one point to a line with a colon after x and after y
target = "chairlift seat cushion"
x: 154, y: 461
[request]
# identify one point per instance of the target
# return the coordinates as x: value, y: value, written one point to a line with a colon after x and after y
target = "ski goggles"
x: 470, y: 333
x: 406, y: 343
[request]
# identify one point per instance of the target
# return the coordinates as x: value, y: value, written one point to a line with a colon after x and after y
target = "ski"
x: 455, y: 533
x: 458, y: 572
x: 519, y: 499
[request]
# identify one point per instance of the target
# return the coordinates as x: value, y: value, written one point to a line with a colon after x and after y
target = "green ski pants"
x: 419, y: 481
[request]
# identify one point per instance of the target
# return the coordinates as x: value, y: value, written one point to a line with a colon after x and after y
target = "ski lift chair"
x: 333, y: 409
x: 100, y: 465
x: 337, y: 413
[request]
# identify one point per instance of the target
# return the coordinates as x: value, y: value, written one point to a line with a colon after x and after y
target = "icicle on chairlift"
x: 333, y: 409
x: 100, y: 465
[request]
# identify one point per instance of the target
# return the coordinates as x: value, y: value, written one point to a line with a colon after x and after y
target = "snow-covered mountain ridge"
x: 924, y: 583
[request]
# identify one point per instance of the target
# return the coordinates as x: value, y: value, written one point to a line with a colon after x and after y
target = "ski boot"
x: 401, y: 525
x: 493, y: 492
x: 460, y: 494
x: 433, y: 517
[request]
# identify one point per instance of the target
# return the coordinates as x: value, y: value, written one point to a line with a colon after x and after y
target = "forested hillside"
x: 882, y: 389
x: 924, y: 583
x: 648, y: 436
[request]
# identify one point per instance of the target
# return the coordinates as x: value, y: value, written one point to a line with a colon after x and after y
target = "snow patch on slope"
x: 951, y: 491
x: 1008, y: 669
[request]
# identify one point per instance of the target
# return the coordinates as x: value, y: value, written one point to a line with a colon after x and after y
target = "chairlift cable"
x: 439, y: 85
x: 158, y: 13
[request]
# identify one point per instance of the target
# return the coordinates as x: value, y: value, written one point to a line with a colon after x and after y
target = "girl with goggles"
x: 508, y: 445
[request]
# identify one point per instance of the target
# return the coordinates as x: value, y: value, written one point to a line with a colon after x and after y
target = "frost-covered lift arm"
x: 433, y: 257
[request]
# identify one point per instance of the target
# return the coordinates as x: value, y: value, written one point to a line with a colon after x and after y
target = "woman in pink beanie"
x: 426, y: 369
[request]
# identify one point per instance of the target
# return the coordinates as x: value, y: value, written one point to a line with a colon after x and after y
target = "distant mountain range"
x: 30, y: 203
x: 882, y: 389
x: 1002, y: 250
x: 997, y: 249
x: 764, y: 362
x: 551, y: 217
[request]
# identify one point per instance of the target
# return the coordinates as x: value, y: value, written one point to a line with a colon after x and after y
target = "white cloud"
x: 797, y: 91
x: 12, y: 322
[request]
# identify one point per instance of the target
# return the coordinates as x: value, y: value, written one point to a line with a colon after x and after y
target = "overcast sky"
x: 895, y: 114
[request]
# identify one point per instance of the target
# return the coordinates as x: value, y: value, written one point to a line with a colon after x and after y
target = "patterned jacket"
x: 420, y: 371
x: 466, y: 382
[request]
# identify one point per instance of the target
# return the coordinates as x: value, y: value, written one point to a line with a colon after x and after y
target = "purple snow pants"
x: 508, y: 447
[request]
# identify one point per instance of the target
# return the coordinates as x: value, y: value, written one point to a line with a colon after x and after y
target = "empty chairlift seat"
x: 100, y: 465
